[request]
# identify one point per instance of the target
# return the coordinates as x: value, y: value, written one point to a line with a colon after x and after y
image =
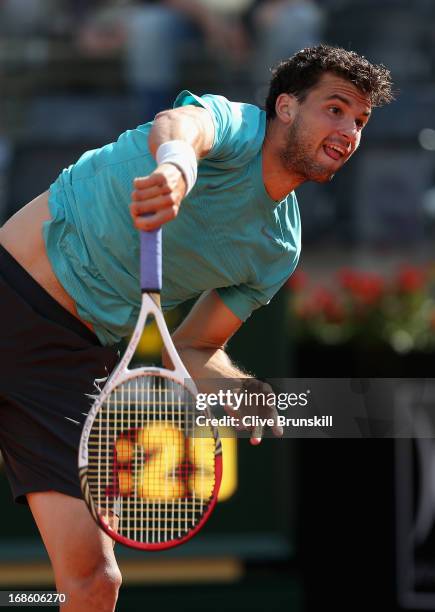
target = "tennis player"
x: 220, y: 177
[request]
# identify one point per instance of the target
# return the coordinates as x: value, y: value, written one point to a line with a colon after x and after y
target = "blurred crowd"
x: 75, y: 73
x: 155, y: 40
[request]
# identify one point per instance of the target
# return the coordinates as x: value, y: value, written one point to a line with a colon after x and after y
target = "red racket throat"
x: 181, y: 540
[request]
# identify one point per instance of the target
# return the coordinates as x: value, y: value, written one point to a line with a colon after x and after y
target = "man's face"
x: 326, y: 129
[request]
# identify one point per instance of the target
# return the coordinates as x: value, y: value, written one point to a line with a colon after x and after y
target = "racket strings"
x: 148, y: 466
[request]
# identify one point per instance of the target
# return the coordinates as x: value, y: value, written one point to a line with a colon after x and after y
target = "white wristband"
x: 181, y: 154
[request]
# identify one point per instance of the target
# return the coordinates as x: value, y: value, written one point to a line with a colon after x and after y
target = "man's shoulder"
x: 219, y: 105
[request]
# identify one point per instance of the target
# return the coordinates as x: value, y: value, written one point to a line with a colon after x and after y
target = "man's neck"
x: 278, y: 180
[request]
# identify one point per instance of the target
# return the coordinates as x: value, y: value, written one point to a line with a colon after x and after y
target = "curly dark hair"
x: 301, y: 72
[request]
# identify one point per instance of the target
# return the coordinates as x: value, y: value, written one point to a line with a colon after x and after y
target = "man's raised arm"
x: 178, y: 138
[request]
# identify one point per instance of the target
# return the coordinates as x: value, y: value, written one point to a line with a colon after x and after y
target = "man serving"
x: 220, y: 177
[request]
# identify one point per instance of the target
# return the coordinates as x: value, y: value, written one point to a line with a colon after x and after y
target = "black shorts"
x: 49, y: 362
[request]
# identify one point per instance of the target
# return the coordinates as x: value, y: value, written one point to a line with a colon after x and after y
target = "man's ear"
x: 285, y: 107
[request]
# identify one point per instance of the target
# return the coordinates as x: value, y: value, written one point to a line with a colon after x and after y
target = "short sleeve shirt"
x: 229, y: 234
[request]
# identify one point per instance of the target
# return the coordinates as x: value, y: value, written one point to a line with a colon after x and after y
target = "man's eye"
x: 335, y: 110
x: 359, y: 123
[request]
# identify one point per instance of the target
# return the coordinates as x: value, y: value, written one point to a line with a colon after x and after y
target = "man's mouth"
x: 335, y: 151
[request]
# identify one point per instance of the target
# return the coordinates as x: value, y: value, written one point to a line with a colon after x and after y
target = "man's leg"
x: 81, y: 554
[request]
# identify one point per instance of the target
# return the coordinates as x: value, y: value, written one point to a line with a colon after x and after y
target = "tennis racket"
x: 149, y: 476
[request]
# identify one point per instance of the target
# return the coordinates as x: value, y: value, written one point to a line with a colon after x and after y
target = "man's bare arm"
x: 200, y: 341
x: 159, y: 194
x: 201, y: 338
x: 189, y: 123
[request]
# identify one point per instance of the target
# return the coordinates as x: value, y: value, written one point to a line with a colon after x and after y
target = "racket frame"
x: 150, y: 305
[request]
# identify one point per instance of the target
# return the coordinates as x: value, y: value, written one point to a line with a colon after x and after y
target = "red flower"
x: 297, y: 281
x: 370, y: 289
x: 365, y: 288
x: 348, y: 278
x: 362, y: 306
x: 327, y: 304
x: 410, y: 279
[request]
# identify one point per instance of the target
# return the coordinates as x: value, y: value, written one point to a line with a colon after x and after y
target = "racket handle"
x: 151, y: 261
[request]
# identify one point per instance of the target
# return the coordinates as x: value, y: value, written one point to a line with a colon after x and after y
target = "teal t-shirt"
x: 229, y: 235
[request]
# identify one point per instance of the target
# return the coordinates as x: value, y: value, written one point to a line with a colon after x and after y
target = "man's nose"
x: 349, y: 131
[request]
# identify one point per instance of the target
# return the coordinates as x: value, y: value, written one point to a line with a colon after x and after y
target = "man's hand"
x: 158, y: 195
x: 255, y: 408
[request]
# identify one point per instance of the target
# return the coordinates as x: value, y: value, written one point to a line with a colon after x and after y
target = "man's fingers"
x: 277, y: 430
x: 165, y: 175
x: 237, y: 423
x: 262, y: 410
x: 156, y: 198
x: 155, y: 220
x: 152, y: 205
x: 147, y: 193
x: 256, y: 435
x: 272, y: 413
x: 144, y: 182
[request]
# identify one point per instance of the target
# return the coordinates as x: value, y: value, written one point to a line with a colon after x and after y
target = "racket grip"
x: 151, y: 261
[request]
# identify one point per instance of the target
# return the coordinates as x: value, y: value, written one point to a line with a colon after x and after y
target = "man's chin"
x: 320, y: 173
x: 324, y: 177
